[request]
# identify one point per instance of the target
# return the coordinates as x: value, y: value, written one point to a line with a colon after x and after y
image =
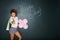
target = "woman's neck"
x: 13, y: 17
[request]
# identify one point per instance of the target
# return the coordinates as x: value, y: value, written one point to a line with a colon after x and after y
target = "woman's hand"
x: 13, y: 22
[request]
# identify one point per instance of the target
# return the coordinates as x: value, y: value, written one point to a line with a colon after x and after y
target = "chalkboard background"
x: 43, y: 18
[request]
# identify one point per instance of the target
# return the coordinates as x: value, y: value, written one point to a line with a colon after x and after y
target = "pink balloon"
x: 23, y: 23
x: 20, y: 26
x: 25, y: 20
x: 25, y: 27
x: 20, y: 20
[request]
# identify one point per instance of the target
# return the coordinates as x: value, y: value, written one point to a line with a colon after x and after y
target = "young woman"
x: 14, y: 23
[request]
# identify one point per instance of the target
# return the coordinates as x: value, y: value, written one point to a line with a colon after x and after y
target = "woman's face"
x: 13, y: 14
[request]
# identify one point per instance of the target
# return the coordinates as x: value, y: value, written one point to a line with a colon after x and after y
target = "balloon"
x: 25, y: 20
x: 23, y: 23
x: 25, y: 27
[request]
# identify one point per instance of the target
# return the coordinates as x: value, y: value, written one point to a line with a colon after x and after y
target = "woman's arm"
x: 14, y: 21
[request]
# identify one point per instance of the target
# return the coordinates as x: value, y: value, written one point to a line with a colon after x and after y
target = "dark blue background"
x: 46, y: 26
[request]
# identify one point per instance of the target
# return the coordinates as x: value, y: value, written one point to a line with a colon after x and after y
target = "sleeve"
x: 10, y: 20
x: 8, y: 25
x: 16, y: 20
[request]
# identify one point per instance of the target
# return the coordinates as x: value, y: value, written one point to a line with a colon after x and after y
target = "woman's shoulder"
x: 16, y: 17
